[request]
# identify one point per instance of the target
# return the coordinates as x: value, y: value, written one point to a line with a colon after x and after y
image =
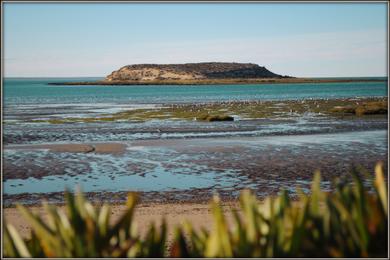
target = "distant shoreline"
x: 218, y: 81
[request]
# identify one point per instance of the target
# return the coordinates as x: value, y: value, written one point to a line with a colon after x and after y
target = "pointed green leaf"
x: 380, y: 185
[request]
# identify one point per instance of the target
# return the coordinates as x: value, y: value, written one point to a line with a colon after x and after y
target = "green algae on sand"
x: 224, y: 111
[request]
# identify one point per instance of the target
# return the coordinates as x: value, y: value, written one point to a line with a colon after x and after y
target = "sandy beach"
x: 198, y: 214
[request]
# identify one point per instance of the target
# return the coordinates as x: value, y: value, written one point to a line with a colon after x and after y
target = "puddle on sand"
x: 137, y: 170
x: 158, y: 180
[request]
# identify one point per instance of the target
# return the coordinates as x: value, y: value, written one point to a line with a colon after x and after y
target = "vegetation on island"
x: 351, y: 221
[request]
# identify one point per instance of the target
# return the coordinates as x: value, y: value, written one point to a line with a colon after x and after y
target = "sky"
x: 94, y: 39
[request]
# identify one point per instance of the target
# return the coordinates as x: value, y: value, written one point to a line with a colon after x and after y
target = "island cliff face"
x: 190, y: 71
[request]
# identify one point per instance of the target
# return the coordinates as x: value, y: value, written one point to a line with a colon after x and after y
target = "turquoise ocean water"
x: 37, y: 91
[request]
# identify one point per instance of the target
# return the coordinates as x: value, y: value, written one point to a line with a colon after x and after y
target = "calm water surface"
x: 36, y: 91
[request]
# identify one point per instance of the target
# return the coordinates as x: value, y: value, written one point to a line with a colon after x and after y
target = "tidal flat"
x: 169, y: 153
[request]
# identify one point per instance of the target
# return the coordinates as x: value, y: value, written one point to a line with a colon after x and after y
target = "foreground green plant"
x: 350, y: 222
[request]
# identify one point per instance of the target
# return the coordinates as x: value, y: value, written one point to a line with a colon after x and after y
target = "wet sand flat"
x: 163, y: 151
x: 190, y: 169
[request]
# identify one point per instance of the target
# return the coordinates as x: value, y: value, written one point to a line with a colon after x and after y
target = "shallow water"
x: 37, y: 133
x: 36, y: 91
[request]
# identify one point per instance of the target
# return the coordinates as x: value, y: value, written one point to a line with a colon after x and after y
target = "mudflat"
x: 190, y: 170
x: 170, y: 156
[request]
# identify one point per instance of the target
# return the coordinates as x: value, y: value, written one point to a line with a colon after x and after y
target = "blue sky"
x: 303, y: 40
